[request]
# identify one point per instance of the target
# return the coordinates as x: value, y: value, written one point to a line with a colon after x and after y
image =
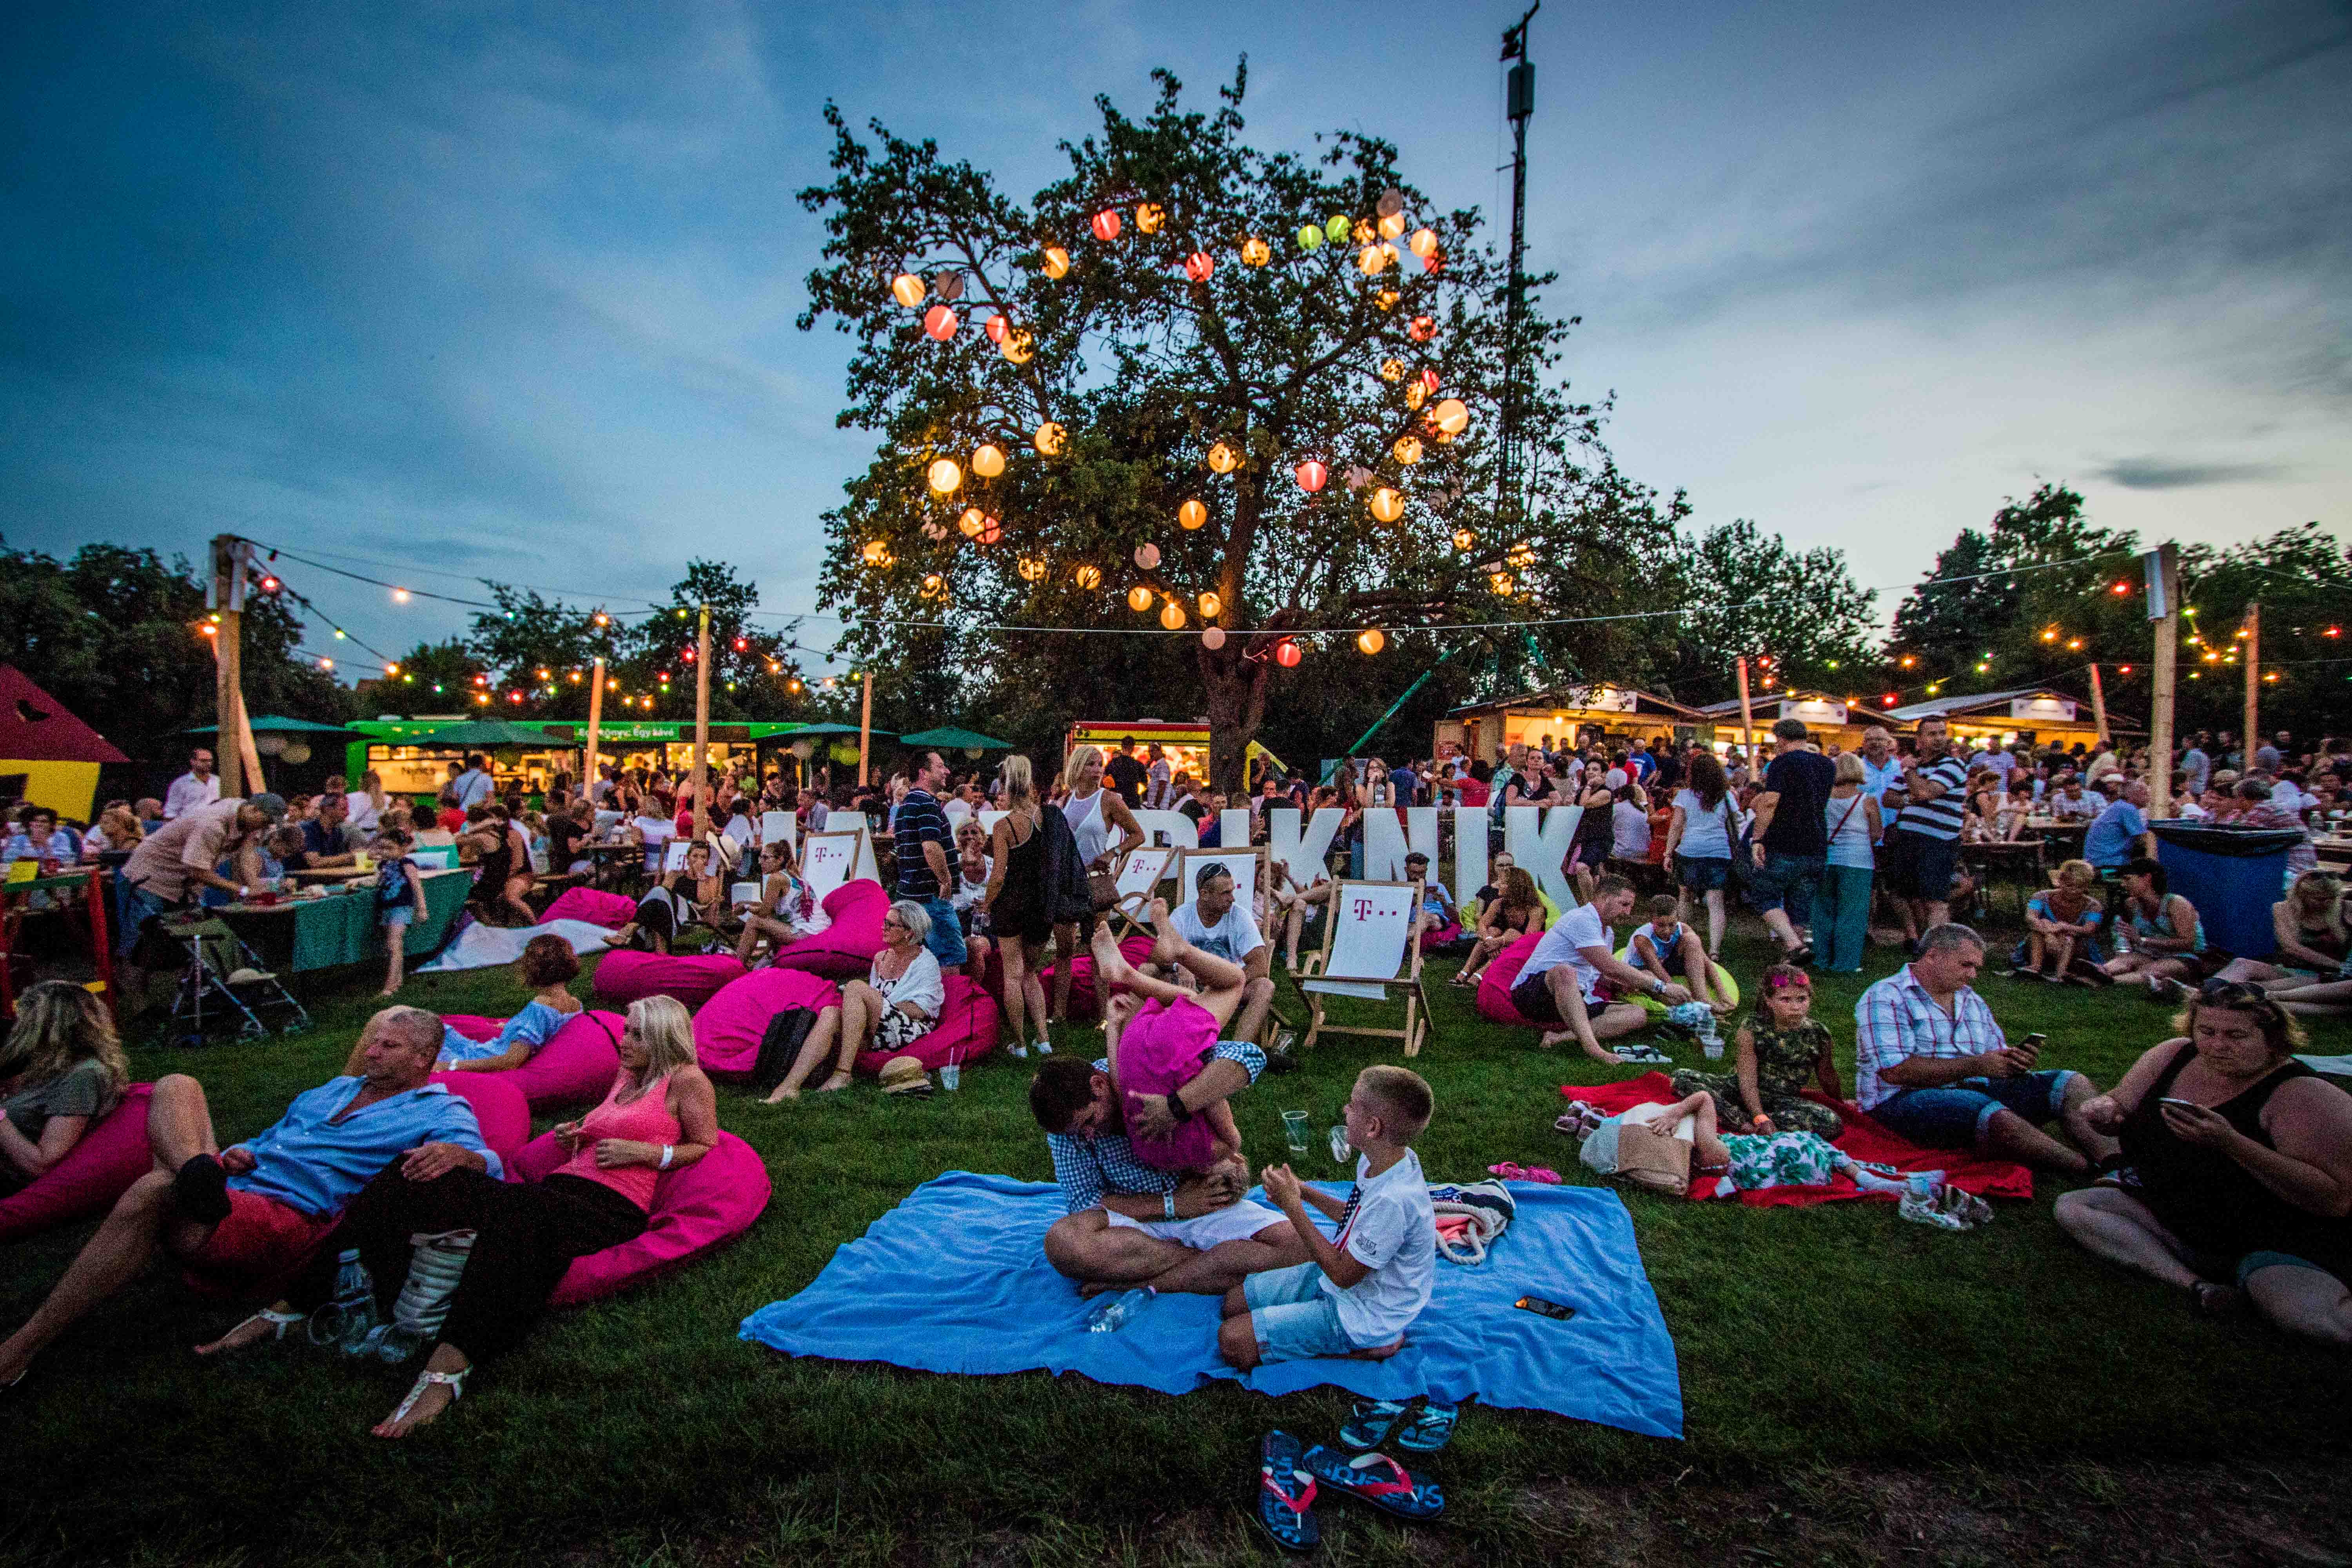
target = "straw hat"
x: 905, y: 1075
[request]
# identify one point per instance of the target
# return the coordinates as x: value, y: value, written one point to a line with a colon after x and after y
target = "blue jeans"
x: 1841, y: 917
x: 945, y: 941
x: 1954, y: 1116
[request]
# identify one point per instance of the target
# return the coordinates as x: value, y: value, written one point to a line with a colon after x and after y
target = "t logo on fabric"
x: 1363, y: 908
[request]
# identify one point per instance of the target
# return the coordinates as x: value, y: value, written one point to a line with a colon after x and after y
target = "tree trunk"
x: 1235, y: 688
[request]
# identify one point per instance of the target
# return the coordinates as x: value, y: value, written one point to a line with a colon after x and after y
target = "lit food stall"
x: 1558, y: 716
x: 1186, y: 746
x: 2034, y: 714
x: 1839, y: 721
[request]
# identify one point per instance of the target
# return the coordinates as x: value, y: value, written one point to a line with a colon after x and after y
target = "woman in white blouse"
x: 897, y: 1003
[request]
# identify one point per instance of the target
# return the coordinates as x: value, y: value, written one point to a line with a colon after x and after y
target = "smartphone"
x: 1542, y: 1308
x: 2032, y: 1043
x: 2184, y: 1104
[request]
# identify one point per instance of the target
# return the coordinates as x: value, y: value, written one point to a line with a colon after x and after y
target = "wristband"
x: 1167, y: 1202
x: 668, y: 1150
x: 1177, y: 1109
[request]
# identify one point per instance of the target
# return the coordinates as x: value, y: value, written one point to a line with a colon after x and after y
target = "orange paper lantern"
x: 1386, y: 504
x: 1192, y: 514
x: 987, y: 459
x: 941, y: 323
x: 908, y: 288
x: 1285, y: 654
x: 1150, y: 216
x: 1423, y: 329
x: 1139, y: 598
x: 1313, y: 475
x: 1452, y: 417
x: 1106, y: 224
x: 1172, y: 616
x: 1055, y: 261
x: 1256, y: 252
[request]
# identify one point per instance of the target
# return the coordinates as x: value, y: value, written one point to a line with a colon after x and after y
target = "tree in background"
x: 1186, y: 321
x: 1748, y: 593
x: 2302, y: 579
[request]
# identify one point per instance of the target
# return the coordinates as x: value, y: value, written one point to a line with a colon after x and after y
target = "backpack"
x: 1068, y: 898
x: 1489, y: 1208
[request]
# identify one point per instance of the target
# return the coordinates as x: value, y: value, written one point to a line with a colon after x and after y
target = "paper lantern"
x: 1210, y: 605
x: 1088, y: 578
x: 990, y: 530
x: 1423, y: 330
x: 1372, y: 259
x: 1463, y: 538
x: 933, y: 584
x: 1172, y: 616
x: 1256, y: 252
x: 1429, y: 382
x: 1336, y: 230
x: 1359, y: 475
x: 1192, y: 514
x: 877, y: 553
x: 1453, y: 416
x: 1387, y: 505
x: 1501, y: 582
x: 972, y: 521
x: 1392, y: 225
x: 941, y: 323
x: 1312, y: 475
x: 949, y: 285
x: 909, y: 290
x: 1031, y: 568
x: 1223, y: 458
x: 1056, y: 261
x: 1018, y: 346
x: 1387, y: 299
x: 1423, y: 243
x: 1433, y: 261
x: 996, y: 329
x: 1407, y: 449
x: 1213, y: 638
x: 1311, y: 238
x: 1415, y: 395
x: 1371, y: 639
x: 1139, y: 598
x: 1147, y: 556
x: 1050, y: 438
x: 945, y: 477
x: 296, y: 751
x: 1285, y: 654
x: 988, y: 459
x: 1106, y: 224
x: 1392, y: 370
x: 1150, y: 216
x: 1391, y: 204
x: 1199, y: 265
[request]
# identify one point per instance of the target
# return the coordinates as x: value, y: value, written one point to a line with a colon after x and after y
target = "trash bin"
x: 2233, y: 876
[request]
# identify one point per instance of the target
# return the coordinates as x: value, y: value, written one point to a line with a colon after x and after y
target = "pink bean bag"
x: 1443, y: 936
x: 112, y: 1153
x: 577, y: 1064
x: 1084, y: 1002
x: 1500, y: 975
x: 726, y: 1031
x: 498, y: 1108
x: 594, y: 905
x: 966, y: 1029
x: 710, y: 1200
x: 628, y: 976
x: 846, y: 949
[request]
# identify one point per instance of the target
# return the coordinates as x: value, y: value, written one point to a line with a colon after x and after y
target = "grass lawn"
x: 1857, y: 1388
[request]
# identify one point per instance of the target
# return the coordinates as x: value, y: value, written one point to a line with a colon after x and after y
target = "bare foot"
x: 1378, y: 1352
x: 833, y: 1084
x: 1166, y: 946
x: 251, y: 1331
x: 1606, y: 1058
x: 1555, y: 1037
x: 1111, y: 964
x: 783, y: 1094
x: 1089, y: 1289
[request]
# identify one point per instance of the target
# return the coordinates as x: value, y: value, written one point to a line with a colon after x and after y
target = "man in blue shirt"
x: 2121, y: 833
x: 246, y: 1215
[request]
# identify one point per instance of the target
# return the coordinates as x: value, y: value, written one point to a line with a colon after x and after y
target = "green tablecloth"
x: 342, y: 928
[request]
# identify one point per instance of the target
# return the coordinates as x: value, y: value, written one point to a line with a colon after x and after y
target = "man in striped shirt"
x: 1925, y: 843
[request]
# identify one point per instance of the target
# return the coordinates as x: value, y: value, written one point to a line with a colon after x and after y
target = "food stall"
x: 1558, y: 716
x: 2034, y: 714
x: 1832, y: 721
x: 412, y: 756
x: 1186, y: 746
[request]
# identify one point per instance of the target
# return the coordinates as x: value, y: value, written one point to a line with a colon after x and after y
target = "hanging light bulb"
x: 941, y: 323
x: 1312, y: 475
x: 908, y: 288
x: 1210, y: 605
x: 1172, y: 616
x: 1050, y: 438
x: 1192, y: 514
x: 1146, y: 555
x: 1407, y: 449
x: 1223, y: 458
x: 988, y: 459
x: 1213, y: 638
x: 945, y: 477
x: 1371, y: 639
x: 1139, y: 598
x: 1088, y: 576
x: 1150, y: 216
x: 1055, y: 261
x: 1387, y: 505
x: 1256, y: 252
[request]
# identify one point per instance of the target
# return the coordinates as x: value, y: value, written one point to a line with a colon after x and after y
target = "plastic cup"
x: 1294, y: 1128
x: 1714, y: 1050
x: 1340, y: 1148
x: 950, y: 1074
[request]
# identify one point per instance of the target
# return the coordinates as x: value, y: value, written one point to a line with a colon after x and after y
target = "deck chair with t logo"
x: 1368, y: 955
x: 1139, y: 875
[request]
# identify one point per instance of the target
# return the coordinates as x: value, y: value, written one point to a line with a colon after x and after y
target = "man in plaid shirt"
x: 1132, y: 1224
x: 1933, y: 1065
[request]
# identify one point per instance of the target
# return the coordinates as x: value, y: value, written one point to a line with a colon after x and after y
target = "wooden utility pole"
x: 2159, y: 716
x: 1746, y: 716
x: 228, y: 698
x: 2252, y: 740
x: 702, y: 724
x: 2099, y: 706
x: 864, y: 725
x: 595, y: 725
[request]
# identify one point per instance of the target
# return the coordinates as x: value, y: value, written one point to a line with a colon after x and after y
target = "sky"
x: 509, y: 292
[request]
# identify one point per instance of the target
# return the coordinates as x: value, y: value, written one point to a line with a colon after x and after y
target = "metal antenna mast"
x: 1522, y: 104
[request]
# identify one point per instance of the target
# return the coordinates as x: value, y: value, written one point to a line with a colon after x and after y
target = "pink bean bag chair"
x: 966, y: 1029
x: 594, y: 905
x: 710, y: 1200
x: 577, y: 1064
x: 846, y: 949
x: 1443, y: 936
x: 627, y: 975
x: 1084, y: 1002
x: 1500, y: 975
x: 726, y: 1031
x: 498, y: 1108
x: 112, y: 1153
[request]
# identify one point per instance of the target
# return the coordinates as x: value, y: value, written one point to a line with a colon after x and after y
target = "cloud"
x: 2158, y: 474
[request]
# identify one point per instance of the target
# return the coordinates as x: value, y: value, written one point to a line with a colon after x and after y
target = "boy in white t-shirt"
x: 1362, y: 1292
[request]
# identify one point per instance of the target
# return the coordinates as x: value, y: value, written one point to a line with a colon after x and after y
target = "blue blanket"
x: 955, y: 1279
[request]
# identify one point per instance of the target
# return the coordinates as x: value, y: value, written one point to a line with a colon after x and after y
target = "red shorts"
x: 260, y: 1243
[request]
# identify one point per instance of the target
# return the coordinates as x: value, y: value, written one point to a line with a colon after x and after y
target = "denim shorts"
x: 1786, y: 880
x: 1923, y: 867
x: 1953, y: 1116
x: 945, y: 941
x: 1702, y: 876
x: 1293, y: 1318
x: 398, y: 915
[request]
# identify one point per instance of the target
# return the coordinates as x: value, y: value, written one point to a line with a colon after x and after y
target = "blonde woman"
x: 1093, y: 812
x: 2308, y: 925
x: 366, y: 803
x: 659, y: 1115
x: 61, y: 1070
x: 2062, y: 930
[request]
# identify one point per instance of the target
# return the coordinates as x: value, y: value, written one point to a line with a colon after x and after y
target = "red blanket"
x: 1864, y: 1138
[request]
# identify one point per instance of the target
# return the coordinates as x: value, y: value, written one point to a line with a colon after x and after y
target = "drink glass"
x: 1341, y: 1150
x: 1294, y: 1128
x: 950, y: 1075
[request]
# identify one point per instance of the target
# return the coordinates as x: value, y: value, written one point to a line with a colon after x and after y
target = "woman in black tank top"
x: 1016, y: 903
x: 2241, y: 1169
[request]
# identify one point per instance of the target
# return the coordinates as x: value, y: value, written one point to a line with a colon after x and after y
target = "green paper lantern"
x: 845, y: 751
x: 1311, y: 238
x: 1335, y: 231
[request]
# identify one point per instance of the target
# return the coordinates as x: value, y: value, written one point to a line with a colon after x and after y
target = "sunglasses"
x: 1787, y: 983
x: 2236, y: 994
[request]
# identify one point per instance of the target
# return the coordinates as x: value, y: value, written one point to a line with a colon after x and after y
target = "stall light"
x: 400, y: 595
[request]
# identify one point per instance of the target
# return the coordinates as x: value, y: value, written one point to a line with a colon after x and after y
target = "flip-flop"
x: 1426, y: 1428
x: 1285, y: 1494
x: 1543, y: 1174
x: 1374, y: 1421
x: 1377, y: 1480
x: 1509, y: 1171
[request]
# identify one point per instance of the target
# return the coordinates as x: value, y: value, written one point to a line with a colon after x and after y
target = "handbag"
x: 779, y: 1046
x: 1661, y: 1164
x: 1102, y: 890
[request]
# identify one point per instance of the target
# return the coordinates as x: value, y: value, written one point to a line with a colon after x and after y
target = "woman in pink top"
x: 660, y: 1115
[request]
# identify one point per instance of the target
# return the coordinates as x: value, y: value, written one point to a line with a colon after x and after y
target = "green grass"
x: 1819, y: 1347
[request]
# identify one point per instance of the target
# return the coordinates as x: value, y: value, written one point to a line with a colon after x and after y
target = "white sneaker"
x: 1044, y: 1047
x: 1019, y: 1051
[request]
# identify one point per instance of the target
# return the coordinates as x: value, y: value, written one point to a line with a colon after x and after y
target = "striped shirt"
x: 1939, y: 817
x: 1088, y: 1167
x: 1896, y: 1020
x: 919, y: 821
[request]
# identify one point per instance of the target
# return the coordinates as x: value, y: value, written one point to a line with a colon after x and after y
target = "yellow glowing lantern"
x: 1172, y: 616
x: 1210, y: 605
x: 1463, y: 538
x: 1223, y: 458
x: 1031, y: 568
x: 933, y: 584
x: 1056, y: 261
x: 988, y: 459
x: 1387, y: 299
x: 1392, y: 370
x: 1371, y: 639
x: 1088, y: 578
x: 1452, y: 417
x: 909, y: 290
x: 1146, y: 555
x: 1387, y: 505
x: 1050, y: 438
x: 1501, y: 581
x: 972, y: 521
x: 1372, y: 259
x: 1392, y: 225
x: 1415, y: 395
x: 945, y: 477
x: 1139, y: 598
x: 1150, y: 216
x: 1423, y: 243
x: 1256, y: 252
x: 1407, y: 449
x: 1192, y: 514
x: 1018, y: 346
x: 877, y: 553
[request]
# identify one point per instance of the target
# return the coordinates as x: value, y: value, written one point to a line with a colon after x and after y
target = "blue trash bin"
x: 2233, y: 876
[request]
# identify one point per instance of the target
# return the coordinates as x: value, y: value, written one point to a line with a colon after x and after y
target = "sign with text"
x: 829, y: 859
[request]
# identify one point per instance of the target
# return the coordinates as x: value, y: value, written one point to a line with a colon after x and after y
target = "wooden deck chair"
x: 1139, y: 875
x: 828, y: 859
x: 1369, y: 953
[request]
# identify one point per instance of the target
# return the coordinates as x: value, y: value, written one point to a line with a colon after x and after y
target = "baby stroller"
x: 223, y: 990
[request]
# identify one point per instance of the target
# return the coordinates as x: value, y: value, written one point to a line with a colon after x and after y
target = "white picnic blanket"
x: 486, y: 947
x: 2339, y: 1066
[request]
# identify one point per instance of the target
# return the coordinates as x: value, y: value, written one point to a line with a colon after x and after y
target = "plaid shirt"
x: 1896, y: 1020
x: 1087, y: 1166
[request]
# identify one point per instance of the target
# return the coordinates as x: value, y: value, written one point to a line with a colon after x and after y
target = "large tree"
x: 1201, y: 322
x: 1751, y: 595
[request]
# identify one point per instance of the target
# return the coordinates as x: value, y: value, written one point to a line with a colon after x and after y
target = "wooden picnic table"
x: 93, y: 880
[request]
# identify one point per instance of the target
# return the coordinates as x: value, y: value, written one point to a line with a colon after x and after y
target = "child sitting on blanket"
x: 1744, y: 1161
x: 548, y: 965
x: 1364, y: 1288
x: 1778, y: 1050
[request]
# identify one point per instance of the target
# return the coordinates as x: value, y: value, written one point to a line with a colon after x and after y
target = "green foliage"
x: 2301, y: 577
x: 1750, y: 594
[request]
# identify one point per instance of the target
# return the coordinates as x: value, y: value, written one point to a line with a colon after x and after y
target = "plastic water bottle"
x: 1115, y: 1313
x: 354, y: 1303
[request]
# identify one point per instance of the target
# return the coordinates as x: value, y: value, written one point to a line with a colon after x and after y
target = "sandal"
x: 455, y: 1381
x: 1647, y: 1056
x: 1377, y: 1480
x: 279, y: 1321
x: 1372, y: 1422
x: 1285, y: 1494
x: 2211, y: 1300
x: 1510, y: 1171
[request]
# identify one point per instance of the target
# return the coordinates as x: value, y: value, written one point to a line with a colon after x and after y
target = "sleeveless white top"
x: 1088, y: 826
